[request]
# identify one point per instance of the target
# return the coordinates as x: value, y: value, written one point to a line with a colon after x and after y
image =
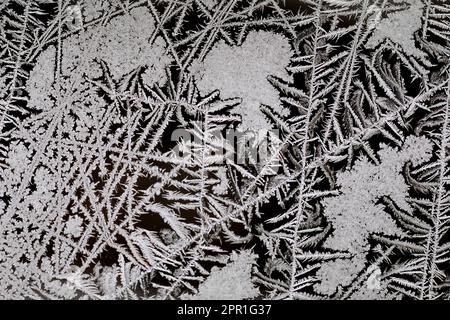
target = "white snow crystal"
x: 243, y: 71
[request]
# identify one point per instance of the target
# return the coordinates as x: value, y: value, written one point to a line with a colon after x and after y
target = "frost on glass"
x: 213, y: 149
x: 355, y: 213
x: 232, y: 282
x: 242, y: 71
x: 399, y: 27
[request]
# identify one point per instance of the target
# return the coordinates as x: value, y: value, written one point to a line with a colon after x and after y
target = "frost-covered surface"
x: 233, y: 281
x: 399, y: 27
x: 215, y: 149
x: 242, y: 71
x: 355, y: 213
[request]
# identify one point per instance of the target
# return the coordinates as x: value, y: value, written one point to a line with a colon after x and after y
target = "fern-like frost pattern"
x: 215, y: 149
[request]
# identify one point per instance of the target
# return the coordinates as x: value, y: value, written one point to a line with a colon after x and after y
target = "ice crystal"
x: 356, y: 213
x: 214, y: 149
x: 400, y: 27
x: 242, y: 71
x: 232, y: 282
